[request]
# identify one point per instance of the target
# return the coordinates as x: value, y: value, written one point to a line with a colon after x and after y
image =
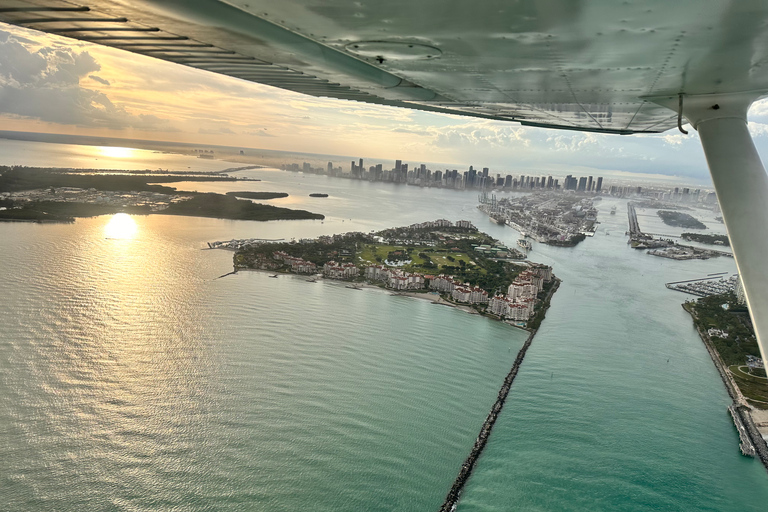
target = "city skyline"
x: 51, y: 84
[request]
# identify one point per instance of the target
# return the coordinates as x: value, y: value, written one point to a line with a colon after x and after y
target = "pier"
x: 634, y: 227
x: 452, y: 499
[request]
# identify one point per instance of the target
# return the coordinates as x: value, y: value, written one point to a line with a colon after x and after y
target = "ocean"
x: 132, y: 377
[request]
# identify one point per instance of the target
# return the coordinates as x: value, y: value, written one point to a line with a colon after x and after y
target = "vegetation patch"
x: 707, y: 239
x: 219, y: 206
x: 730, y: 331
x: 680, y: 220
x: 258, y: 195
x: 18, y: 178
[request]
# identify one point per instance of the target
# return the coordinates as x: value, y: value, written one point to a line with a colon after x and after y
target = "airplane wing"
x: 573, y: 64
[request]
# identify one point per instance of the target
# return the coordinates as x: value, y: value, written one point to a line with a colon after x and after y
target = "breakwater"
x: 452, y: 499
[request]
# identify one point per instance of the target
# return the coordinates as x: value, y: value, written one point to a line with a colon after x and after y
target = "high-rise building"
x: 599, y: 186
x: 589, y: 184
x: 398, y: 164
x: 582, y: 184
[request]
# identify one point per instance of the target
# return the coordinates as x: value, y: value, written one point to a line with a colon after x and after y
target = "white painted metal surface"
x: 742, y: 190
x: 581, y: 64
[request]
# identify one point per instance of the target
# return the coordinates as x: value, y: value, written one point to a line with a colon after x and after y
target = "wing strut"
x: 741, y: 184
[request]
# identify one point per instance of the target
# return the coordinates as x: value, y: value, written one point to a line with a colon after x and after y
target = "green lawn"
x: 441, y: 258
x: 753, y: 388
x: 438, y: 256
x: 370, y: 252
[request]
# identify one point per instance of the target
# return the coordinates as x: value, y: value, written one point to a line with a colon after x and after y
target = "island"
x: 680, y: 219
x: 549, y: 218
x: 61, y: 195
x: 452, y: 264
x: 665, y: 247
x: 258, y: 195
x: 318, y: 195
x: 707, y: 239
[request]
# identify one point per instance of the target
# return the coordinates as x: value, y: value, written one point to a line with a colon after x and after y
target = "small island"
x: 452, y: 264
x: 547, y: 217
x: 680, y: 220
x: 60, y: 195
x: 258, y: 195
x: 707, y: 239
x: 318, y: 195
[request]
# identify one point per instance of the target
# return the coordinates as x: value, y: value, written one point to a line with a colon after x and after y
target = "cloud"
x: 411, y: 131
x: 759, y: 109
x: 99, y: 79
x: 259, y: 133
x: 44, y: 84
x: 758, y: 129
x: 216, y: 131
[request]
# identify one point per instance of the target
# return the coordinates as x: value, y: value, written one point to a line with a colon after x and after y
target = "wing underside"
x: 574, y: 64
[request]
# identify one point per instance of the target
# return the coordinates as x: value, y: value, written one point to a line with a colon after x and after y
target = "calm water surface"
x: 132, y: 379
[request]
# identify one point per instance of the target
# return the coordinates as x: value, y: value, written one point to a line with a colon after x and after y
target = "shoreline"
x: 432, y: 297
x: 740, y: 405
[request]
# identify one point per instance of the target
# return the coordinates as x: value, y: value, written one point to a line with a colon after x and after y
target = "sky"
x: 55, y: 85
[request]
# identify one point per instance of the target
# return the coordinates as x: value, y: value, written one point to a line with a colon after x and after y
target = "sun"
x: 121, y: 226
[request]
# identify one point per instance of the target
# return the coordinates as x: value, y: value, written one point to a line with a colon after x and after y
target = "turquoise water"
x: 132, y: 379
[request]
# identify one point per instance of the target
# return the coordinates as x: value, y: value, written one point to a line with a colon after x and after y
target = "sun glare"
x: 121, y: 226
x: 116, y: 152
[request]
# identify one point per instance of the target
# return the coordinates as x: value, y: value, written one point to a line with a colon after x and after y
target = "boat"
x: 312, y: 280
x: 525, y: 244
x: 352, y: 286
x: 275, y: 276
x: 613, y: 210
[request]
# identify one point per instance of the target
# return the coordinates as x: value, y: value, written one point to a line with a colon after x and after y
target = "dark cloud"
x: 45, y: 85
x: 99, y: 79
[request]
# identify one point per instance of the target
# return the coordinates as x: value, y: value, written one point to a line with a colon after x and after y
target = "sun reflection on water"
x: 116, y: 152
x: 121, y: 227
